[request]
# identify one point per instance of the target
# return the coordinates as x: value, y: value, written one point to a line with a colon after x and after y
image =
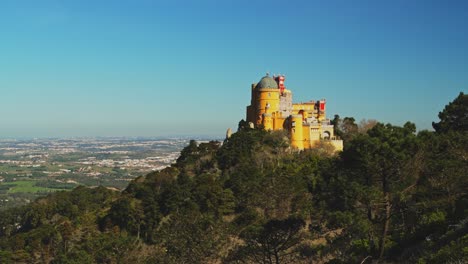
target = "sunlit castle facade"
x: 272, y: 108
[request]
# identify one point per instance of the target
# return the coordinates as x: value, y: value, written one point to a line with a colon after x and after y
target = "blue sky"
x: 158, y: 68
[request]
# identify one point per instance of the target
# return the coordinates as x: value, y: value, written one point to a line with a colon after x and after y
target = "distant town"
x: 30, y: 168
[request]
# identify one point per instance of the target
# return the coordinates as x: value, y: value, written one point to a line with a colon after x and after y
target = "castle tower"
x: 321, y: 110
x: 296, y: 130
x: 267, y: 99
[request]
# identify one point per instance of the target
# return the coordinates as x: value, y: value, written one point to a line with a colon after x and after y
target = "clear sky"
x: 158, y: 68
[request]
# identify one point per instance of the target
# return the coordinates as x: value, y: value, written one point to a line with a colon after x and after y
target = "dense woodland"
x: 393, y: 195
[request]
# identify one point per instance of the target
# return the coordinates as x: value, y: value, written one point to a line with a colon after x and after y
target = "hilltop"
x: 392, y: 195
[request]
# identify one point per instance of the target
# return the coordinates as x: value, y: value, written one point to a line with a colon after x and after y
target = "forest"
x: 394, y: 195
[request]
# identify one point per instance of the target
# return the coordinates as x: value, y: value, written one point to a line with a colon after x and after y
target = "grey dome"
x: 267, y: 82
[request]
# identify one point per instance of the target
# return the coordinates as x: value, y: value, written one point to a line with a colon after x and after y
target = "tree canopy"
x: 392, y: 196
x: 454, y: 117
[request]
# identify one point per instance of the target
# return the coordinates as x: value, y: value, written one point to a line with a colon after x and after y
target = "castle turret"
x: 267, y: 95
x: 321, y: 110
x: 296, y: 130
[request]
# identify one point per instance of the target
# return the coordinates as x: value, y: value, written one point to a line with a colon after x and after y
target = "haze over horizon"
x: 160, y: 68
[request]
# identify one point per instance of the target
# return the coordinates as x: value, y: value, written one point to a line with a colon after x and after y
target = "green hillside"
x: 392, y: 196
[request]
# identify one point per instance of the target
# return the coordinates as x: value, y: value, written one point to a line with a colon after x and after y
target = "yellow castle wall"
x: 267, y: 121
x: 266, y: 97
x: 297, y: 136
x: 306, y: 136
x: 278, y: 123
x: 303, y: 136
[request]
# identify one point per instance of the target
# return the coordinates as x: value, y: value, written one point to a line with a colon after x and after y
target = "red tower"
x: 322, y: 105
x: 280, y: 80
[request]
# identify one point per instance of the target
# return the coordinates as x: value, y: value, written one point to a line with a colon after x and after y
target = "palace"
x: 271, y: 107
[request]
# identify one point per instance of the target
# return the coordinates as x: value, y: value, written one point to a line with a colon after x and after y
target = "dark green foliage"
x: 384, y: 164
x: 211, y: 197
x: 274, y: 242
x: 455, y: 251
x: 43, y: 230
x: 6, y: 257
x: 391, y: 196
x: 239, y: 148
x: 454, y: 117
x: 192, y: 237
x: 74, y: 257
x: 345, y: 128
x: 128, y: 214
x: 196, y: 158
